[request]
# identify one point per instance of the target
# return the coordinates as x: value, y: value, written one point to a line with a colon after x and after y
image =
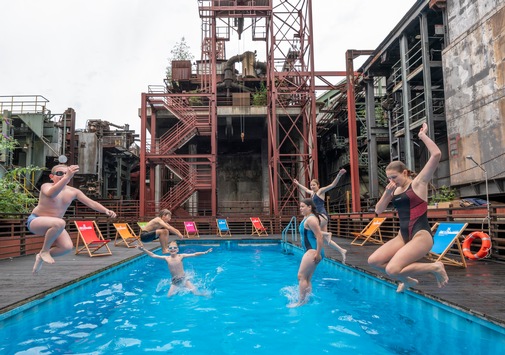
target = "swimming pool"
x: 126, y: 311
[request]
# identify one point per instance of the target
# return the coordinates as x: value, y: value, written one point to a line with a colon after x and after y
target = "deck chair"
x: 190, y: 230
x: 91, y: 239
x: 222, y: 228
x: 257, y: 227
x: 125, y: 235
x: 371, y: 233
x: 141, y: 225
x: 446, y: 235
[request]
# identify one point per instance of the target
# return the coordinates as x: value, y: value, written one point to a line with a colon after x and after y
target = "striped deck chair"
x: 190, y: 230
x: 222, y: 228
x: 446, y: 235
x: 125, y: 235
x: 92, y: 240
x: 257, y: 227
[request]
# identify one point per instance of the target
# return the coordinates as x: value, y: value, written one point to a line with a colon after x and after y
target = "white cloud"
x: 98, y: 56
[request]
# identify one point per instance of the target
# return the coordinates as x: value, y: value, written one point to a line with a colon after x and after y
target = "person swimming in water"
x: 399, y: 257
x: 176, y: 268
x: 312, y: 241
x: 318, y: 195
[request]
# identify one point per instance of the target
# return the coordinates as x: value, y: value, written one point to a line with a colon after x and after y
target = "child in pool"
x: 176, y: 268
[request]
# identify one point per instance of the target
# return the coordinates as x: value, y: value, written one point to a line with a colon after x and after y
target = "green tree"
x: 14, y: 197
x: 180, y: 51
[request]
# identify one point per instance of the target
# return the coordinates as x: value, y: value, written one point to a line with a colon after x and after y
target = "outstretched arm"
x: 324, y: 189
x: 94, y: 205
x: 309, y: 191
x: 150, y: 253
x: 198, y: 253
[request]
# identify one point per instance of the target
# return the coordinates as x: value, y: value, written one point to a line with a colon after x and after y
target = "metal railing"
x: 16, y: 240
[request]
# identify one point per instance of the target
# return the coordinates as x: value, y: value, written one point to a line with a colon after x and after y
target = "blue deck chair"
x: 446, y: 235
x: 222, y: 228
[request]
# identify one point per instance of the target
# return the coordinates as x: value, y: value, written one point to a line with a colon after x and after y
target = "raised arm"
x: 334, y: 183
x: 56, y: 188
x: 428, y: 170
x: 307, y: 190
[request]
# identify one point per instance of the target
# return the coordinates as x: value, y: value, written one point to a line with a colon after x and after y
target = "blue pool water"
x: 126, y: 311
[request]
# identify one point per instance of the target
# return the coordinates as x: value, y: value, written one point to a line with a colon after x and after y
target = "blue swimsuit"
x: 308, y: 238
x: 319, y: 202
x: 29, y: 221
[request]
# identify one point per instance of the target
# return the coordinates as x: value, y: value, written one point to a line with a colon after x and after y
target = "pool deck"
x: 478, y: 289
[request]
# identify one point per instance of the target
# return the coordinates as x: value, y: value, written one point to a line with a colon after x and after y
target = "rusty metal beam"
x: 350, y: 55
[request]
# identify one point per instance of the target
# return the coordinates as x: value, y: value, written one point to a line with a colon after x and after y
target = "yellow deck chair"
x: 190, y: 230
x: 92, y: 240
x: 125, y: 235
x: 257, y: 227
x: 447, y: 234
x: 222, y: 228
x: 371, y: 233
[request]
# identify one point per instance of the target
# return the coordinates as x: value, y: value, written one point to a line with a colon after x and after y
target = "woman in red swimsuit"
x: 399, y: 257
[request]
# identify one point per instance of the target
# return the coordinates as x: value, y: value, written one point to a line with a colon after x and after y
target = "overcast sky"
x: 98, y: 56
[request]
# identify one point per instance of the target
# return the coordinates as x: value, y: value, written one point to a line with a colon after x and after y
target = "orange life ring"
x: 484, y: 249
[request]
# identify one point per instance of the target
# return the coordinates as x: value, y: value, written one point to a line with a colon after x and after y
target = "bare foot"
x: 38, y: 264
x: 440, y: 274
x: 46, y: 256
x: 402, y: 286
x: 164, y: 251
x: 344, y: 253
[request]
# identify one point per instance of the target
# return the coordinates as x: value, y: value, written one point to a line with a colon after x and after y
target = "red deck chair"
x: 190, y: 230
x: 257, y: 227
x: 91, y: 238
x: 125, y: 235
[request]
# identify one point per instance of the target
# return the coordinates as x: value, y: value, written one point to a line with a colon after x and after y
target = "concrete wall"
x: 474, y: 80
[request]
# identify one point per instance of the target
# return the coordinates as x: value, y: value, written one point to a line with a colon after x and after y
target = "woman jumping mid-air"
x: 317, y: 194
x: 399, y: 257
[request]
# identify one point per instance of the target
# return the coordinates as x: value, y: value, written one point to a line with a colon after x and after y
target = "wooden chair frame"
x: 223, y: 232
x: 91, y: 244
x: 368, y: 233
x: 257, y: 227
x: 192, y: 232
x: 446, y: 234
x: 125, y: 235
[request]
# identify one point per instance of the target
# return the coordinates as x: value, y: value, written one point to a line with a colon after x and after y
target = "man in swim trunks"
x: 158, y: 228
x: 47, y: 217
x: 399, y: 257
x: 312, y: 241
x: 176, y: 268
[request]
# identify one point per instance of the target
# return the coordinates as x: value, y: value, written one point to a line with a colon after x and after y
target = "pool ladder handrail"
x: 290, y: 228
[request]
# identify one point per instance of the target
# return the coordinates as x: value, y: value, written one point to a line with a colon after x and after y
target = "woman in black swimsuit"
x: 399, y: 257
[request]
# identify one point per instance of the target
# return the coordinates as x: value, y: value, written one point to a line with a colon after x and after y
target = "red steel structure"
x: 287, y: 30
